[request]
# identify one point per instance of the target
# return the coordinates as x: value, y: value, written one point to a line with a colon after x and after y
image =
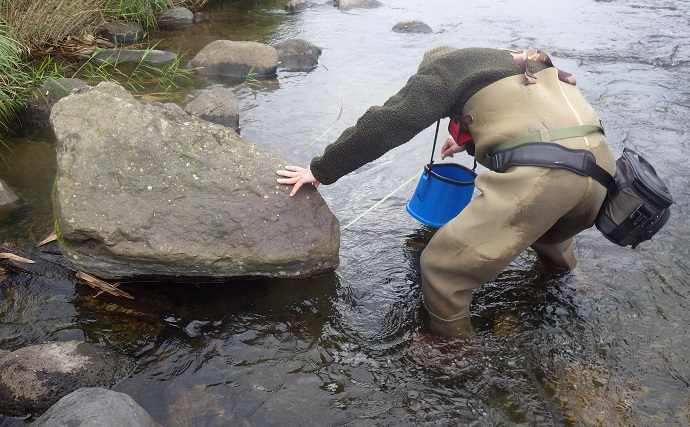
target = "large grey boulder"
x: 235, y: 59
x: 33, y: 378
x: 95, y: 407
x: 145, y: 190
x: 298, y: 54
x: 218, y: 105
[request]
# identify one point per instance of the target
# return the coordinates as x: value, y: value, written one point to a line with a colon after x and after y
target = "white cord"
x: 340, y: 113
x: 382, y: 200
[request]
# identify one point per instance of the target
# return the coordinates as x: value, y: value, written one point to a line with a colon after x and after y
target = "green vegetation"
x: 60, y: 238
x: 38, y: 40
x: 251, y: 79
x: 17, y: 79
x: 138, y: 76
x: 142, y: 11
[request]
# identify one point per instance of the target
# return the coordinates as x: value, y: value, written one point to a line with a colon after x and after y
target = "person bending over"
x: 492, y: 96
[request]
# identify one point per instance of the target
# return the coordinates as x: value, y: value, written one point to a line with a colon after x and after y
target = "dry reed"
x: 38, y: 22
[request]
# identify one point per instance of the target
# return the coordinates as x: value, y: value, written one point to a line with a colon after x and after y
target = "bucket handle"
x: 431, y: 161
x: 428, y: 170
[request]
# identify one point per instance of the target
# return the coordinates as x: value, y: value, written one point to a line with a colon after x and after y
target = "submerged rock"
x: 133, y: 55
x: 144, y: 190
x: 33, y: 378
x: 412, y: 27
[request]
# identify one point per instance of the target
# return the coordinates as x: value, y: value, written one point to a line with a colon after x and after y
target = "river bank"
x: 43, y: 41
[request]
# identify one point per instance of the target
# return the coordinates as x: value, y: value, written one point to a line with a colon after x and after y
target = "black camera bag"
x: 637, y: 205
x: 638, y: 202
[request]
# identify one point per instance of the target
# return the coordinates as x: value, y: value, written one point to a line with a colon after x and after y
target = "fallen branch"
x: 103, y: 286
x: 51, y: 238
x: 13, y: 257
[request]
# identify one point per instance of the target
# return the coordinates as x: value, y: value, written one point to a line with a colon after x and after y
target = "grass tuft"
x: 142, y: 11
x: 136, y: 77
x: 17, y: 79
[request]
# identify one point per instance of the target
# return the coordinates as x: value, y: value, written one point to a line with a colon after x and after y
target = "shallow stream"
x: 605, y: 344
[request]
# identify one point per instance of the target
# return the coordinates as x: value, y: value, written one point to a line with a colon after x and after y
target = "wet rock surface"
x: 235, y: 59
x: 122, y: 32
x: 298, y: 55
x: 133, y: 55
x: 34, y: 378
x: 36, y: 112
x: 175, y: 18
x: 294, y: 6
x: 412, y: 27
x: 7, y: 196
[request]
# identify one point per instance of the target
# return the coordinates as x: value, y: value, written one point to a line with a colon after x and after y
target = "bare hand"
x: 450, y: 147
x: 297, y: 176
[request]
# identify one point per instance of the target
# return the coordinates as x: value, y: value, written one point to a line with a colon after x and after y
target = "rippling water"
x: 603, y: 345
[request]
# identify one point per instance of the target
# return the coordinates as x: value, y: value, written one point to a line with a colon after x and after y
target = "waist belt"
x: 529, y: 151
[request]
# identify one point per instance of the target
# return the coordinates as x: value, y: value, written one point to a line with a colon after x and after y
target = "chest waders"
x: 516, y: 123
x: 520, y: 207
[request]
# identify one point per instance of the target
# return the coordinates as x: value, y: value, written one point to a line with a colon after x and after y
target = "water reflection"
x: 28, y: 167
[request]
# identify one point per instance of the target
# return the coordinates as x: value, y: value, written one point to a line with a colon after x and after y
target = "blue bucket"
x: 442, y: 192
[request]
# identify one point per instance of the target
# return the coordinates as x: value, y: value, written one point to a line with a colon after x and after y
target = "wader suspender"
x: 531, y: 151
x: 536, y: 149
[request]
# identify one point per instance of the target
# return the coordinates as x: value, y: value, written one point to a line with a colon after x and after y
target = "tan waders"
x: 522, y: 207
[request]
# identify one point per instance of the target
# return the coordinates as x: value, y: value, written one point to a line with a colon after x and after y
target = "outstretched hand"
x: 297, y: 176
x: 450, y: 147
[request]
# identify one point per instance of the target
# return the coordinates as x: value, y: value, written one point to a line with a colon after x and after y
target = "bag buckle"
x: 641, y: 216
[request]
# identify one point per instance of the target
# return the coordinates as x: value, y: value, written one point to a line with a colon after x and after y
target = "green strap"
x: 551, y: 135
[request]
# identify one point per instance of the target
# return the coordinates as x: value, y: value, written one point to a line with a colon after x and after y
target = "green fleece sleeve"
x: 434, y: 92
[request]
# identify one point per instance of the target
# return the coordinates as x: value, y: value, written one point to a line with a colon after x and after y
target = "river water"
x: 603, y: 345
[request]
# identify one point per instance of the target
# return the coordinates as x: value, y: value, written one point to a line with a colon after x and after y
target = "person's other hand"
x: 297, y: 176
x: 450, y: 147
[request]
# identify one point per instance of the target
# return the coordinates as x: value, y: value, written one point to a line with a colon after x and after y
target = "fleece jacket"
x: 439, y: 89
